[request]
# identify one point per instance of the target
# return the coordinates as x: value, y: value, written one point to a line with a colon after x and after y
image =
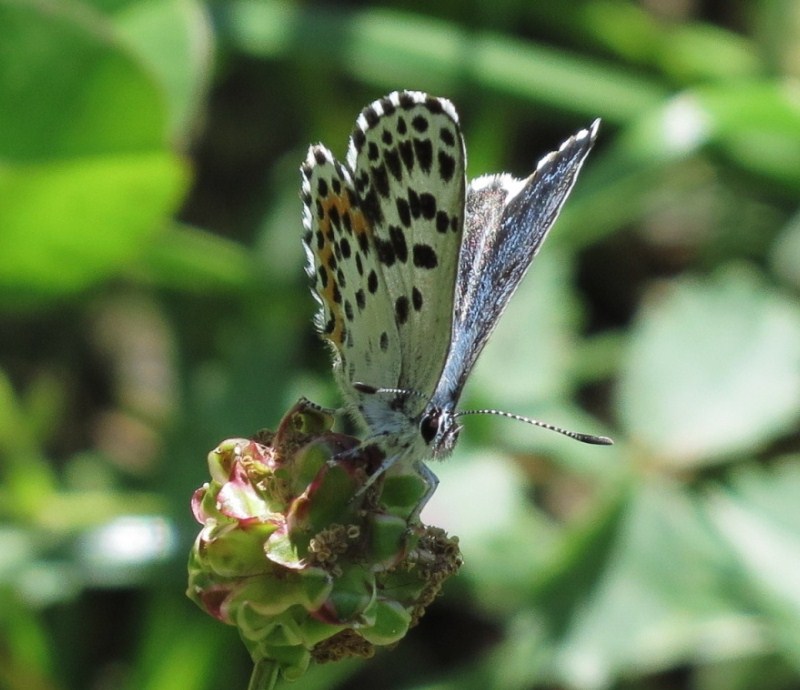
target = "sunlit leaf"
x: 712, y: 369
x: 86, y: 176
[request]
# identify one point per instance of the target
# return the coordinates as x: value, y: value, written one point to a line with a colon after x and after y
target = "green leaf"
x: 86, y: 176
x: 759, y: 517
x: 657, y: 597
x: 174, y: 40
x: 785, y: 254
x: 712, y: 369
x: 481, y: 499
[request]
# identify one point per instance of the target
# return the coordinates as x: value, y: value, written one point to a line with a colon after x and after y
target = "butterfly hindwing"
x: 355, y: 314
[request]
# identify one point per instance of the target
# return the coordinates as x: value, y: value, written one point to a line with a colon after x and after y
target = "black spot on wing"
x: 380, y: 178
x: 447, y: 136
x: 387, y: 106
x: 401, y: 309
x: 420, y: 123
x: 371, y: 116
x: 447, y: 166
x: 363, y: 243
x: 425, y: 256
x: 392, y: 159
x: 398, y: 240
x: 442, y: 221
x: 406, y: 100
x: 373, y: 152
x: 372, y: 282
x: 414, y: 203
x: 386, y: 252
x: 404, y: 211
x: 406, y: 154
x: 434, y: 104
x: 371, y: 206
x: 423, y: 150
x: 427, y: 204
x: 416, y: 299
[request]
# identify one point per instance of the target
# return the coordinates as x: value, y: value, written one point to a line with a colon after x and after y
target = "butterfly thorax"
x: 374, y: 412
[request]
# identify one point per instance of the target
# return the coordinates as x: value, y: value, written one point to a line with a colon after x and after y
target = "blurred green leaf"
x: 190, y: 259
x: 785, y: 254
x: 699, y: 51
x: 174, y: 39
x: 480, y: 498
x: 586, y: 553
x: 759, y: 517
x: 172, y: 656
x: 390, y: 48
x: 85, y: 172
x: 712, y: 369
x: 684, y: 51
x: 26, y: 655
x: 660, y: 600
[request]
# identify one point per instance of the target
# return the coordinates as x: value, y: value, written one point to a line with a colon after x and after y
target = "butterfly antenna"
x: 583, y: 438
x: 372, y: 390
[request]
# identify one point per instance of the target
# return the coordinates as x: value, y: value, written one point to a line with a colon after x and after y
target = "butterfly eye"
x: 429, y: 425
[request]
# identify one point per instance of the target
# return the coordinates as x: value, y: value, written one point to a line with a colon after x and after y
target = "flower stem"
x: 265, y: 675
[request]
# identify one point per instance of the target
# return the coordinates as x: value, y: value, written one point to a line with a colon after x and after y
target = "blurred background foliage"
x: 153, y: 302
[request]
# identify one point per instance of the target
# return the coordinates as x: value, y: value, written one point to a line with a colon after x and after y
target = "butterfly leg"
x: 391, y: 458
x: 432, y: 481
x: 390, y: 455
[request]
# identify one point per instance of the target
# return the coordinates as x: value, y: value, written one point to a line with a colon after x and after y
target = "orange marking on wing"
x: 336, y: 336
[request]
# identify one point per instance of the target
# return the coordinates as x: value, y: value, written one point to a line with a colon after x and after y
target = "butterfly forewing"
x: 506, y: 222
x: 408, y: 158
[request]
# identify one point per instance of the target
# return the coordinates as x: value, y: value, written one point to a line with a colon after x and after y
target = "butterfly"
x: 412, y: 267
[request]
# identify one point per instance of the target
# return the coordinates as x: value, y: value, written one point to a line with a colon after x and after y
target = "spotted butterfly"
x: 412, y: 267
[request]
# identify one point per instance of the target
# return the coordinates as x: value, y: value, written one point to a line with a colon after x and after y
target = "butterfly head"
x: 439, y: 429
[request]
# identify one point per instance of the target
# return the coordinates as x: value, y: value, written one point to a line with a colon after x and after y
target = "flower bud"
x: 299, y: 560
